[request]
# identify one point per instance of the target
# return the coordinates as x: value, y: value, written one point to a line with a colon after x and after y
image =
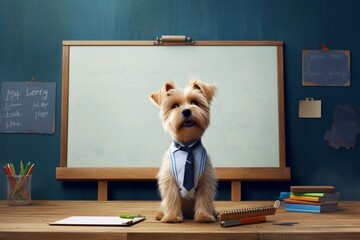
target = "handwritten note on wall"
x: 326, y: 68
x: 27, y: 107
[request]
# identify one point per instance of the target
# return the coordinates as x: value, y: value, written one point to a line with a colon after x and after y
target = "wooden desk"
x: 31, y: 222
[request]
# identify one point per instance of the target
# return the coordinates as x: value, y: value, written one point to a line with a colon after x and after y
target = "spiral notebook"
x: 249, y: 212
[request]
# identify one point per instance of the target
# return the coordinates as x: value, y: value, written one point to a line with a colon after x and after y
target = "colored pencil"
x: 17, y: 186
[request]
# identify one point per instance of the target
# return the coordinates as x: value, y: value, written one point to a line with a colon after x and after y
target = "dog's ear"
x: 159, y: 96
x: 208, y: 89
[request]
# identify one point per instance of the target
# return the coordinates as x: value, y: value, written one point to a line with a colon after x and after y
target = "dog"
x: 185, y: 115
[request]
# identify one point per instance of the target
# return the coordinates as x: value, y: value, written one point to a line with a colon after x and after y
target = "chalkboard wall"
x: 32, y: 33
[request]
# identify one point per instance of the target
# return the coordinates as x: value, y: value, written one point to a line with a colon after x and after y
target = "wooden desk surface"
x: 31, y: 222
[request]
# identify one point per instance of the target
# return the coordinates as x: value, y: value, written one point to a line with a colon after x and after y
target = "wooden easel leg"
x: 236, y: 191
x: 102, y: 190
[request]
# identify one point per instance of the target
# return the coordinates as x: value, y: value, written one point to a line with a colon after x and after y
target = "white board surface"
x: 112, y: 123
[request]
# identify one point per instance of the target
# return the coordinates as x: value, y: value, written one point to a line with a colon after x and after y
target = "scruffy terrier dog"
x: 187, y: 180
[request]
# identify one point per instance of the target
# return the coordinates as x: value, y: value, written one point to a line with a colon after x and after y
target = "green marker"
x: 129, y: 216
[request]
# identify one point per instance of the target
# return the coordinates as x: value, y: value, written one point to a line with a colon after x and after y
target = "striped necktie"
x: 189, y: 166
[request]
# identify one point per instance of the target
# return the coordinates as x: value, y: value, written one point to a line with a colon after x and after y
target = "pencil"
x: 21, y: 168
x: 243, y: 221
x: 23, y: 181
x: 27, y: 168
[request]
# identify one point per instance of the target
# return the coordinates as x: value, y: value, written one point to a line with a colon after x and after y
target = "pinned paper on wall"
x: 310, y: 108
x: 326, y: 67
x: 27, y: 107
x: 344, y: 129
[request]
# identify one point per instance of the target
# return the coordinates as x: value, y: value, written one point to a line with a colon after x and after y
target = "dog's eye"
x: 175, y: 106
x: 194, y: 102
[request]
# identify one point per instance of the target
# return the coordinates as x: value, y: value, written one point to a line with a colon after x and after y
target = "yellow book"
x: 334, y: 197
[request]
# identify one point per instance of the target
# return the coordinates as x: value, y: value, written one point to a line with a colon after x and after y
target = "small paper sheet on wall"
x: 310, y: 108
x: 326, y: 68
x: 27, y: 107
x: 344, y: 129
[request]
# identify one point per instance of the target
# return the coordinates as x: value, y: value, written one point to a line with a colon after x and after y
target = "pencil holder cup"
x: 19, y: 189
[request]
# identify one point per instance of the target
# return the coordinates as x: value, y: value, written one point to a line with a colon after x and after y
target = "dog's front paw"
x: 159, y: 215
x: 171, y: 219
x: 204, y: 218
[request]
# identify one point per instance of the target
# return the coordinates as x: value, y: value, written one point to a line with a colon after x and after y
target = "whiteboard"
x: 112, y: 123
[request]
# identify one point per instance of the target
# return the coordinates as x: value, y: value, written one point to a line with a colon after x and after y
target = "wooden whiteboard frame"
x: 235, y: 175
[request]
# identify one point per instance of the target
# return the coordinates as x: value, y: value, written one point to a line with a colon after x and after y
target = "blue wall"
x: 31, y: 35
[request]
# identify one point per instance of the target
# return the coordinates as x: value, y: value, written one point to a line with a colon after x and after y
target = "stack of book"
x: 243, y: 216
x: 313, y: 199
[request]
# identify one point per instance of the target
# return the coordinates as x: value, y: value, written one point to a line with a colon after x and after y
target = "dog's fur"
x: 196, y: 97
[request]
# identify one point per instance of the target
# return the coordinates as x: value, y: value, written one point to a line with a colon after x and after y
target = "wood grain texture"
x: 151, y: 43
x: 64, y: 106
x: 223, y: 174
x: 103, y: 190
x: 235, y: 191
x: 31, y: 222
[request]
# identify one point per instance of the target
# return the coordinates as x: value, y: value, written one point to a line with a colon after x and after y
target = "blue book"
x: 310, y: 208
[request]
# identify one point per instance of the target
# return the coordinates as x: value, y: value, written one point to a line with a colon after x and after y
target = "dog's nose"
x: 186, y: 113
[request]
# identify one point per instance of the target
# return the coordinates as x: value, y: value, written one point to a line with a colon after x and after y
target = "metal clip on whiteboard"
x: 173, y: 39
